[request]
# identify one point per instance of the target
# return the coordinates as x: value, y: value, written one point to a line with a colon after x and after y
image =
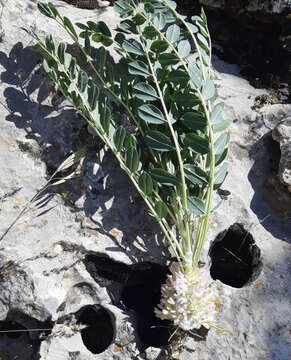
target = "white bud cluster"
x: 187, y: 299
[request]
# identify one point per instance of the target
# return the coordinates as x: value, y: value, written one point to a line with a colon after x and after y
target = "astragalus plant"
x: 173, y: 155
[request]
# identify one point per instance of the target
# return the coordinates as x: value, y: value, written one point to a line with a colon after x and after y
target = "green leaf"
x: 128, y: 26
x: 150, y: 32
x: 132, y: 159
x: 100, y: 58
x: 119, y: 38
x: 93, y: 26
x: 197, y: 143
x: 220, y: 176
x: 159, y: 21
x: 205, y: 56
x: 82, y: 80
x: 220, y: 157
x: 138, y: 68
x: 54, y: 10
x: 138, y: 19
x: 159, y: 46
x: 194, y: 120
x: 69, y: 26
x: 122, y: 7
x: 158, y: 141
x: 145, y: 182
x: 46, y: 66
x: 87, y: 43
x: 203, y: 42
x: 162, y: 177
x: 71, y: 160
x: 92, y: 95
x: 221, y: 125
x: 197, y: 19
x: 173, y: 33
x: 129, y: 142
x: 68, y: 60
x: 189, y: 100
x: 221, y: 143
x: 61, y: 52
x: 193, y: 28
x: 101, y: 27
x: 184, y: 48
x: 105, y: 117
x: 110, y: 76
x: 124, y: 88
x: 145, y: 91
x: 106, y: 41
x: 45, y: 10
x: 149, y: 8
x: 151, y: 114
x: 208, y: 90
x: 178, y: 76
x: 97, y: 37
x: 196, y: 206
x: 203, y: 30
x: 161, y: 209
x: 195, y: 74
x: 203, y: 16
x: 132, y: 46
x: 215, y: 115
x: 168, y: 59
x: 82, y: 26
x: 196, y: 175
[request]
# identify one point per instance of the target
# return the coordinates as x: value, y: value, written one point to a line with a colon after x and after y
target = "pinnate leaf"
x: 208, y: 90
x: 151, y: 114
x: 145, y: 91
x: 138, y: 68
x: 132, y: 46
x: 194, y: 120
x: 196, y: 206
x: 158, y: 141
x: 197, y: 143
x: 162, y: 177
x: 146, y: 183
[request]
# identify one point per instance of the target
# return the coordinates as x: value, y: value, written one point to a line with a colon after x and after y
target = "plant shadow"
x: 102, y: 195
x: 271, y: 200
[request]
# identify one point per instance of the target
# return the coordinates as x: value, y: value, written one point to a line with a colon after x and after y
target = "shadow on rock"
x: 53, y: 131
x: 271, y: 200
x: 16, y: 341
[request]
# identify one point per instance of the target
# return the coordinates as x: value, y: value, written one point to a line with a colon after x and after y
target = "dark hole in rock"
x: 16, y: 342
x: 274, y: 152
x: 142, y: 294
x: 100, y: 330
x: 12, y: 329
x: 235, y: 259
x: 251, y: 39
x: 141, y: 291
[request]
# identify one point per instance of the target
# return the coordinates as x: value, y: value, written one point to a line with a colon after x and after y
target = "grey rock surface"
x: 282, y: 134
x: 43, y: 277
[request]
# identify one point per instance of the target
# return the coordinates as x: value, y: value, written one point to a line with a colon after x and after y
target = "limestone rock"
x: 282, y: 134
x: 43, y: 280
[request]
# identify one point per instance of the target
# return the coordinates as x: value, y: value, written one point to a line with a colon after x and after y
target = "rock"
x: 44, y: 281
x: 94, y: 332
x: 282, y: 134
x: 253, y: 34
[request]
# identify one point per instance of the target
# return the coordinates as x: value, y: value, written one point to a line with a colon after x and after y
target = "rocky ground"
x: 87, y: 261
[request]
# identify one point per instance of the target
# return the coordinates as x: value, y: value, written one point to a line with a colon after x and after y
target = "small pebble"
x: 103, y: 4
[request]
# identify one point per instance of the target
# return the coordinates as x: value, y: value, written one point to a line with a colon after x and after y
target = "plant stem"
x: 177, y: 146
